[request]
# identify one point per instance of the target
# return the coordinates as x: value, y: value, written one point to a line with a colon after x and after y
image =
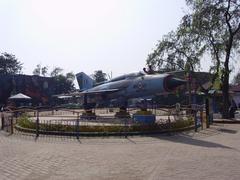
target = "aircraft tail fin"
x: 84, y: 81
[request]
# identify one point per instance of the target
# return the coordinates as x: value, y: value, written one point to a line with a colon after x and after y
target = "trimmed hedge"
x: 25, y: 122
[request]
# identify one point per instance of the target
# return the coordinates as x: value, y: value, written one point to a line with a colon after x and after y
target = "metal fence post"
x: 37, y: 124
x: 77, y: 126
x: 195, y: 120
x: 207, y: 112
x: 2, y: 119
x: 201, y: 116
x: 11, y: 124
x: 169, y: 120
x: 125, y: 123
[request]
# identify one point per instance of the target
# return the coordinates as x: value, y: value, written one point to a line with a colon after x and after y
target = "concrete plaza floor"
x: 208, y: 154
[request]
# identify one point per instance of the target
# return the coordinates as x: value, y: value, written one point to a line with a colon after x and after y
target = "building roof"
x: 19, y: 96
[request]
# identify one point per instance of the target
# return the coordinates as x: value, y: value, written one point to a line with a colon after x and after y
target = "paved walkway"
x: 209, y: 154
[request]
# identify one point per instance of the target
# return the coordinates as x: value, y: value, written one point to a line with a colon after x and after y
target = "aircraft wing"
x: 100, y: 91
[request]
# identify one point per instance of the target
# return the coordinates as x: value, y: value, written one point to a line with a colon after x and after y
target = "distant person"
x: 149, y: 70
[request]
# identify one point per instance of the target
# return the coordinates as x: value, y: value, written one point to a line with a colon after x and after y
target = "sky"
x: 86, y: 35
x: 114, y: 36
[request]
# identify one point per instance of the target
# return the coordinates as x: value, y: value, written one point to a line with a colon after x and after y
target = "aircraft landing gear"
x: 122, y: 113
x: 88, y: 109
x: 143, y: 106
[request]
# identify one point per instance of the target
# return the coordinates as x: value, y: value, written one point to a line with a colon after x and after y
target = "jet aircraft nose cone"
x: 172, y: 82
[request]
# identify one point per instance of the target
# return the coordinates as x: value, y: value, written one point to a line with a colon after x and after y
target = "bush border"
x: 123, y: 133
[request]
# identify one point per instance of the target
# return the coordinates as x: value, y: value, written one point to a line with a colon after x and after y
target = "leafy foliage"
x: 212, y: 27
x: 173, y: 51
x: 65, y: 83
x: 39, y: 70
x: 25, y: 122
x: 9, y: 64
x: 99, y: 76
x: 70, y: 76
x: 44, y: 70
x: 56, y: 72
x: 218, y: 24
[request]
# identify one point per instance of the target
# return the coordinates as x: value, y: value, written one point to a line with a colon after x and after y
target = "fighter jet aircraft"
x: 125, y: 87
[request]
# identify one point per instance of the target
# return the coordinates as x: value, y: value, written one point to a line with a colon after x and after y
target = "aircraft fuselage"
x: 134, y: 85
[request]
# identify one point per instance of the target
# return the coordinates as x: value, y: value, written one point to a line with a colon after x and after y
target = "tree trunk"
x: 225, y: 93
x: 225, y: 80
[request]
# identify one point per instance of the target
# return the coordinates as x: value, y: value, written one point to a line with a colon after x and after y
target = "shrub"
x: 25, y: 122
x: 182, y: 123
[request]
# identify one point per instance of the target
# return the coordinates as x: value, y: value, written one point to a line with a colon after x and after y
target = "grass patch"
x: 25, y: 122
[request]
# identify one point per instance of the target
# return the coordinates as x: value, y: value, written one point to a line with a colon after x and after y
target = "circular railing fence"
x: 69, y: 122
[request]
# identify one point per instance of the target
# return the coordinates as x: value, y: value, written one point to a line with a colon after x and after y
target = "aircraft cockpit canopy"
x: 127, y: 76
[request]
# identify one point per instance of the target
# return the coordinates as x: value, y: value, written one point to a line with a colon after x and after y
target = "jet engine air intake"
x: 170, y: 83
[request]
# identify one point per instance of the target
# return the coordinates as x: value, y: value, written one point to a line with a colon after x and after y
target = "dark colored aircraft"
x: 122, y: 88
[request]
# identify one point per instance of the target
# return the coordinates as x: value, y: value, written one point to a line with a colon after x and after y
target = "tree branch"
x: 236, y: 31
x: 228, y: 17
x: 212, y: 42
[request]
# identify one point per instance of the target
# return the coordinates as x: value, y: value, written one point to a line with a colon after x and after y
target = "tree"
x: 215, y: 26
x: 99, y: 76
x: 39, y: 70
x: 56, y: 72
x: 44, y: 71
x: 173, y: 51
x: 218, y: 25
x: 70, y: 76
x: 9, y: 64
x: 64, y: 84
